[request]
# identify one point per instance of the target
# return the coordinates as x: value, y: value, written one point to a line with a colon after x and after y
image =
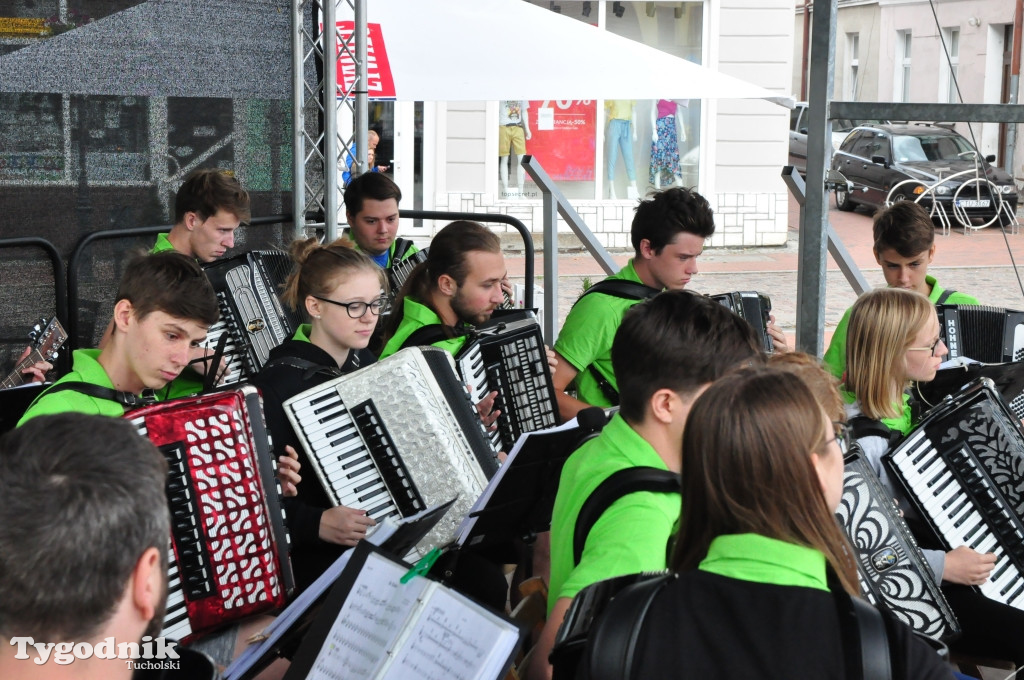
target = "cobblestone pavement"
x: 978, y: 263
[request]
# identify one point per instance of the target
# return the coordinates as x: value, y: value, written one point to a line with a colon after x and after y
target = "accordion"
x: 399, y: 272
x: 987, y: 334
x: 754, y: 308
x: 507, y: 356
x: 251, y: 313
x: 396, y: 437
x: 893, y: 571
x: 961, y: 468
x: 229, y: 544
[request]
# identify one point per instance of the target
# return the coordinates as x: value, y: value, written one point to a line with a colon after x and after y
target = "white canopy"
x: 456, y: 50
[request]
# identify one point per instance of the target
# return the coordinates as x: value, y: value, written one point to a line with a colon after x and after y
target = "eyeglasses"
x: 934, y: 348
x: 358, y: 309
x: 842, y: 435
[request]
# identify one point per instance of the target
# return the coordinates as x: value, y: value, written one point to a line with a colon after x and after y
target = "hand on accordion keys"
x: 488, y: 414
x: 779, y: 343
x: 288, y: 467
x: 344, y: 526
x: 200, y: 363
x: 968, y: 567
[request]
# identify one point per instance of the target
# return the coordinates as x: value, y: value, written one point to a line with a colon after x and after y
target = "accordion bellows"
x: 229, y: 557
x: 396, y: 437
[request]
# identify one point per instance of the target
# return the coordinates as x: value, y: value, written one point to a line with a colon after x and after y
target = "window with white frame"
x: 950, y: 70
x: 853, y: 58
x: 901, y: 82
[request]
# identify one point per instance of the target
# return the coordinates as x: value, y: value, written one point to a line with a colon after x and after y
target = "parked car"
x: 798, y: 134
x: 876, y: 158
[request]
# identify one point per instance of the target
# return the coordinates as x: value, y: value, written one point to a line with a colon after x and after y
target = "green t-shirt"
x: 163, y: 244
x: 631, y: 536
x: 587, y: 335
x: 416, y: 315
x: 87, y: 369
x: 835, y: 355
x: 752, y: 557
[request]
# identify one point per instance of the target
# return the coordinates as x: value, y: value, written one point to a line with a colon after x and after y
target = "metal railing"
x: 60, y: 291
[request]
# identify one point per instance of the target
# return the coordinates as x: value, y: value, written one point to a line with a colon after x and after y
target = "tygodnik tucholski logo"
x: 151, y: 653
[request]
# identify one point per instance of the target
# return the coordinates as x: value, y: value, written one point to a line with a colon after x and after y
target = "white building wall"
x: 741, y: 162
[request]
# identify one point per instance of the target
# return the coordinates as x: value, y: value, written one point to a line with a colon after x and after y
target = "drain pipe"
x: 1011, y: 132
x: 807, y: 48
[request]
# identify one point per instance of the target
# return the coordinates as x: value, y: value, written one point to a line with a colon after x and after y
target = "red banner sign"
x: 563, y: 138
x: 380, y: 83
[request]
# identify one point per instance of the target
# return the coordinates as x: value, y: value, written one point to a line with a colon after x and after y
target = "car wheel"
x: 843, y: 201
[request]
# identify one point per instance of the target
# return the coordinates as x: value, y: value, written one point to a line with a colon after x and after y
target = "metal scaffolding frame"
x: 320, y: 154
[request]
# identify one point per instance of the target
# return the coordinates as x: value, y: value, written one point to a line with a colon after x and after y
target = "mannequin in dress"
x: 621, y: 134
x: 513, y: 131
x: 667, y: 130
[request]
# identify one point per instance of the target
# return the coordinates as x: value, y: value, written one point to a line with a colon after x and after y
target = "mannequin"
x: 667, y: 130
x: 514, y: 130
x: 621, y: 134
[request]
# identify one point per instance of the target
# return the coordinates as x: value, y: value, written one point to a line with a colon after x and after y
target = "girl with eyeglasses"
x: 894, y: 339
x: 759, y: 556
x: 340, y: 291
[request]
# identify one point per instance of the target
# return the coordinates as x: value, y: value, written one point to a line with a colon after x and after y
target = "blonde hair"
x: 318, y: 269
x: 883, y: 324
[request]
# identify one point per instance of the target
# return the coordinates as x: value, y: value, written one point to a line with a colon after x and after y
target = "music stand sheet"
x: 386, y: 629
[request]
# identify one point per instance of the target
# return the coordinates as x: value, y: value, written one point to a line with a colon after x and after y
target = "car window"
x: 794, y: 117
x: 879, y: 146
x: 929, y: 147
x: 909, y: 149
x: 863, y: 144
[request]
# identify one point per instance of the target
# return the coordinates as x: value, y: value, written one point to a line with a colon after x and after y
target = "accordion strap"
x: 621, y: 288
x: 309, y: 368
x: 126, y: 399
x: 436, y: 332
x: 615, y: 486
x: 945, y: 296
x: 402, y: 246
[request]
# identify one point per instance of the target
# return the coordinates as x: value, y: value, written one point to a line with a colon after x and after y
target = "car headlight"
x: 1006, y: 188
x: 942, y: 190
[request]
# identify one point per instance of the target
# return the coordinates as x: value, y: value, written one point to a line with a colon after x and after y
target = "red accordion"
x: 229, y: 556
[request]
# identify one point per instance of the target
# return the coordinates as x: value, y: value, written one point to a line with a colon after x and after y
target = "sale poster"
x: 563, y: 138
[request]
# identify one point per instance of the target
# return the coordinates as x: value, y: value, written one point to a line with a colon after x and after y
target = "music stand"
x: 518, y: 501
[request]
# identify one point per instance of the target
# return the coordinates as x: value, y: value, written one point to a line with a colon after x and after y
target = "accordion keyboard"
x: 358, y: 461
x: 965, y: 508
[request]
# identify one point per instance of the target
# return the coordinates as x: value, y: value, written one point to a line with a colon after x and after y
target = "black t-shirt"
x: 709, y: 626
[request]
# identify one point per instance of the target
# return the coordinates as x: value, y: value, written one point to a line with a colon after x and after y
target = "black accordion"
x: 506, y: 355
x: 754, y: 308
x: 251, y: 313
x: 893, y: 571
x: 229, y: 543
x: 986, y: 334
x: 399, y: 272
x: 961, y: 468
x: 396, y: 437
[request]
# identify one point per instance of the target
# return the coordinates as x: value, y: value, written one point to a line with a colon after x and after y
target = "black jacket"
x: 278, y: 383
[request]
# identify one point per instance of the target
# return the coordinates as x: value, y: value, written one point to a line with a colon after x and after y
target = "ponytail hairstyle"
x: 883, y: 324
x: 320, y: 268
x: 447, y: 255
x: 747, y: 469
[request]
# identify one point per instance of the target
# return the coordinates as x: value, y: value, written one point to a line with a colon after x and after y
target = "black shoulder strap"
x: 433, y: 332
x: 945, y: 296
x: 611, y: 647
x: 617, y: 485
x: 862, y: 426
x: 620, y: 288
x: 126, y: 399
x: 865, y: 641
x: 309, y: 368
x: 605, y: 385
x: 402, y: 246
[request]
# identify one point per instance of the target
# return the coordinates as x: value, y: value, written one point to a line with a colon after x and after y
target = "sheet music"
x: 369, y: 623
x: 453, y: 639
x: 280, y: 625
x: 464, y: 530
